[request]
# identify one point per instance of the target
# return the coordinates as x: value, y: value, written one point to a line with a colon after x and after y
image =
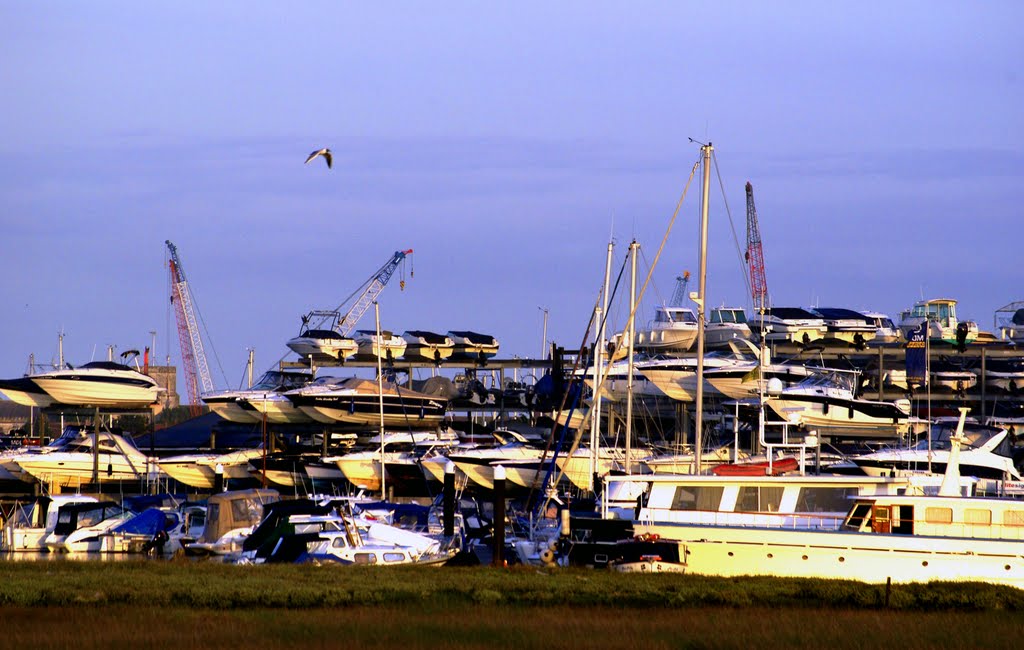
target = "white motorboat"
x: 421, y: 345
x: 478, y: 464
x: 323, y: 343
x: 73, y: 463
x: 103, y: 384
x: 828, y: 402
x: 473, y: 345
x: 987, y: 452
x: 200, y: 470
x: 231, y: 404
x: 276, y: 407
x: 749, y: 378
x: 847, y: 325
x: 885, y: 330
x: 943, y: 325
x: 401, y: 452
x: 29, y: 525
x: 230, y: 518
x: 672, y: 332
x: 358, y: 401
x: 24, y: 391
x: 78, y: 524
x: 952, y: 373
x: 616, y: 380
x: 1005, y: 374
x: 726, y: 324
x: 793, y: 324
x: 677, y: 378
x: 388, y: 346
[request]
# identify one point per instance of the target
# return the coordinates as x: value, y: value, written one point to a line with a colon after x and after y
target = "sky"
x: 506, y: 144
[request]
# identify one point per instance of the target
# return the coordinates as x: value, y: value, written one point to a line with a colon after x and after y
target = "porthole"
x: 925, y: 563
x: 1007, y: 567
x: 805, y: 557
x: 730, y: 555
x: 842, y: 559
x: 770, y: 556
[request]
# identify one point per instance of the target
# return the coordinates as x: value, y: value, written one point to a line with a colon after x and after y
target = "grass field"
x: 172, y: 604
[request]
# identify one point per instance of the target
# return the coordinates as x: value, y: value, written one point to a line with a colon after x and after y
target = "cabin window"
x: 824, y: 499
x: 394, y: 557
x: 938, y: 515
x: 856, y: 518
x: 881, y: 519
x: 1013, y: 518
x: 691, y: 497
x: 365, y: 558
x: 978, y: 517
x: 759, y: 499
x: 339, y: 542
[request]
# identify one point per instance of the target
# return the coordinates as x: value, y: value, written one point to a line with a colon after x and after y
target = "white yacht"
x: 421, y: 345
x: 388, y: 346
x: 104, y: 384
x: 200, y: 470
x: 793, y: 324
x: 29, y: 525
x: 987, y: 452
x: 673, y: 331
x: 827, y: 402
x: 231, y: 404
x: 473, y: 345
x: 726, y: 324
x: 323, y: 343
x: 72, y: 464
x: 943, y: 325
x: 847, y: 325
x: 885, y: 330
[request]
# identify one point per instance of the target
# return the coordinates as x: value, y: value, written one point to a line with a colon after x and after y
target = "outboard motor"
x: 961, y: 336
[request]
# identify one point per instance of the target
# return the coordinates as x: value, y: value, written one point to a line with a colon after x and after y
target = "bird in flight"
x: 325, y: 152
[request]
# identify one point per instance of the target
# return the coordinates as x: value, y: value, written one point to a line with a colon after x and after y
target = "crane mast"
x: 344, y: 325
x: 193, y: 356
x: 755, y: 256
x: 680, y: 295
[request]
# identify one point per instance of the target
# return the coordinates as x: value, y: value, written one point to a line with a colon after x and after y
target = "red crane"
x: 755, y: 256
x: 193, y: 356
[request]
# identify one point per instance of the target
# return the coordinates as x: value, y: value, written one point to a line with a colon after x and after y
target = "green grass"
x: 226, y: 587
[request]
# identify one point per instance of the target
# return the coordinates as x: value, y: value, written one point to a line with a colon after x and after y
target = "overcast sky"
x: 504, y: 143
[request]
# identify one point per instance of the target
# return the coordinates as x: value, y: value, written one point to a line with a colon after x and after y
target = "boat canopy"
x: 227, y: 511
x: 431, y: 338
x: 791, y: 313
x: 839, y: 313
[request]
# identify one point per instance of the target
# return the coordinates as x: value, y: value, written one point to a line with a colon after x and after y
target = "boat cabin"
x: 664, y: 315
x: 726, y: 315
x: 937, y: 516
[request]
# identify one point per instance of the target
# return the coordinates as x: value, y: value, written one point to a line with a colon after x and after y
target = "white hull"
x: 730, y: 552
x: 97, y: 393
x: 234, y: 412
x: 278, y: 410
x: 718, y: 335
x: 76, y: 468
x: 362, y: 469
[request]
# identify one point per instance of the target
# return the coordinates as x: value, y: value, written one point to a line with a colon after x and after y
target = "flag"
x: 915, y: 351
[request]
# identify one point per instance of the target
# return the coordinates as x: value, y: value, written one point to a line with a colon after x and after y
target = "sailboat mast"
x: 633, y: 248
x: 701, y: 285
x: 602, y: 317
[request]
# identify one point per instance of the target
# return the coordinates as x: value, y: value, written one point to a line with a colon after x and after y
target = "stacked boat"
x: 97, y: 384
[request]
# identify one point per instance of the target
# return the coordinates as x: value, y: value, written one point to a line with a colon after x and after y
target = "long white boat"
x: 72, y: 465
x: 231, y: 405
x: 899, y: 537
x: 473, y: 345
x: 358, y: 401
x: 828, y: 402
x: 421, y: 345
x: 672, y: 332
x: 104, y: 384
x: 200, y: 470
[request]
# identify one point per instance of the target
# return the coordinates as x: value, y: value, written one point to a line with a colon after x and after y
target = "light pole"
x: 544, y: 338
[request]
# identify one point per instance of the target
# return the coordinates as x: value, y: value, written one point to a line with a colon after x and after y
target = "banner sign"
x: 916, y: 351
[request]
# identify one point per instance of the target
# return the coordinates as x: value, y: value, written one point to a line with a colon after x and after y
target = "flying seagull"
x: 325, y: 152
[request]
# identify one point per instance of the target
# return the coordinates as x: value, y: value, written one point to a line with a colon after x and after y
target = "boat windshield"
x: 831, y: 378
x: 975, y: 437
x: 274, y: 380
x: 728, y: 316
x: 674, y: 315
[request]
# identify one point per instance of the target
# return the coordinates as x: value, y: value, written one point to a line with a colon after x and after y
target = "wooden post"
x: 96, y: 447
x: 449, y: 499
x: 499, y: 517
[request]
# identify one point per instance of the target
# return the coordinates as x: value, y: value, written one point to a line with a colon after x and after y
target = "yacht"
x: 200, y: 470
x: 793, y: 324
x: 24, y: 391
x: 1005, y: 374
x: 677, y: 378
x: 72, y: 464
x: 986, y: 452
x: 104, y: 384
x: 943, y: 325
x: 673, y: 331
x: 473, y: 345
x: 885, y: 330
x: 827, y: 402
x: 29, y: 525
x: 402, y: 452
x: 421, y: 345
x: 478, y: 464
x: 231, y: 405
x: 726, y: 324
x: 388, y: 346
x: 323, y: 343
x: 358, y: 401
x: 847, y: 325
